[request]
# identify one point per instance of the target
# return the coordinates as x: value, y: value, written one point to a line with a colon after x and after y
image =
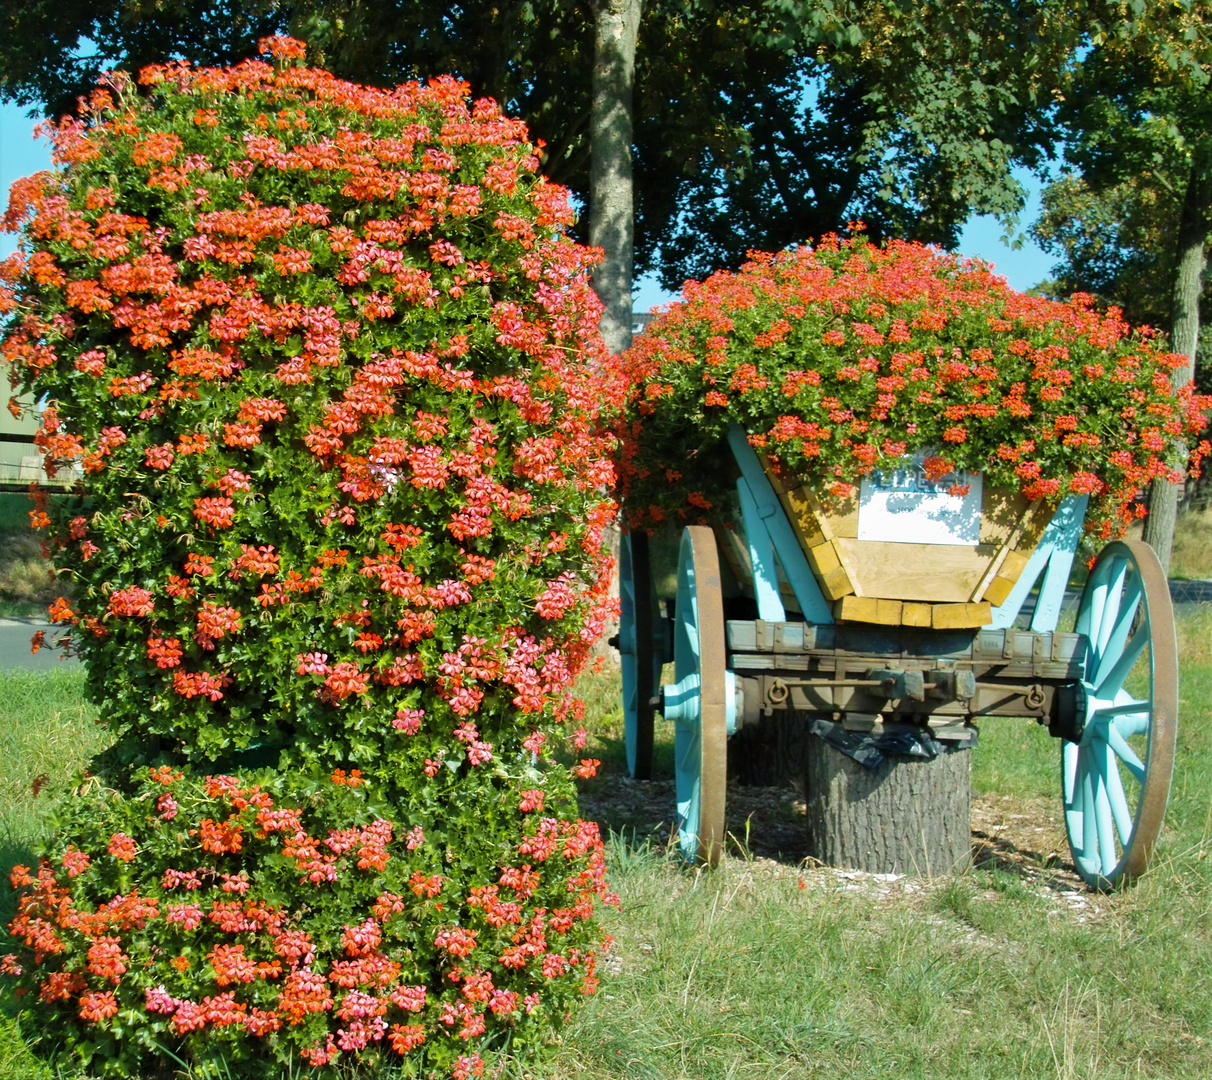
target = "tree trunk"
x: 611, y: 206
x: 1188, y: 285
x: 907, y: 816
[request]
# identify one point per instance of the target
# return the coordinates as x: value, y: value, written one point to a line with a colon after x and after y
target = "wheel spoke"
x: 1127, y: 709
x: 1111, y: 644
x: 1126, y: 754
x: 1070, y: 778
x: 1111, y: 684
x: 1119, y: 802
x: 1094, y: 614
x: 1134, y: 723
x: 1089, y: 826
x: 1113, y: 598
x: 1105, y: 826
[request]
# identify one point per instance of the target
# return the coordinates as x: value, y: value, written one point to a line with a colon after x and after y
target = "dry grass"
x: 25, y: 576
x: 1192, y: 554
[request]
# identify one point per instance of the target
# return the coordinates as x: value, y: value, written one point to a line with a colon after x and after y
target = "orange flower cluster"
x: 266, y: 969
x: 840, y: 360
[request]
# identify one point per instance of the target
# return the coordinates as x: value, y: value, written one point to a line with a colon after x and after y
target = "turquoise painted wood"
x: 773, y: 521
x: 631, y: 580
x: 1053, y: 558
x: 761, y: 557
x: 682, y: 700
x: 1099, y: 813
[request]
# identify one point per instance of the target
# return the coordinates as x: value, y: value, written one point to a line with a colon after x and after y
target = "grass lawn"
x: 765, y: 969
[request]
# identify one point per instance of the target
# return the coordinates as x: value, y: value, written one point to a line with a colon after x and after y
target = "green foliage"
x: 756, y: 125
x: 1013, y: 971
x: 1136, y: 119
x: 330, y: 364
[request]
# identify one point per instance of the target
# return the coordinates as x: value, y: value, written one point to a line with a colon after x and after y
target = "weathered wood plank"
x: 913, y: 614
x: 926, y: 572
x: 806, y: 518
x: 868, y: 609
x: 961, y: 616
x: 1001, y: 510
x: 1012, y: 541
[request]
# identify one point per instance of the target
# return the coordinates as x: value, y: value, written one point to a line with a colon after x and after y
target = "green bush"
x: 331, y: 367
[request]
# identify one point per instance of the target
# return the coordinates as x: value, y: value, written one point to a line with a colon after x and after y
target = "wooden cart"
x: 894, y: 634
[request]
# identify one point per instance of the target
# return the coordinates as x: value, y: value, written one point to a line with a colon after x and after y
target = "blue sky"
x: 21, y: 155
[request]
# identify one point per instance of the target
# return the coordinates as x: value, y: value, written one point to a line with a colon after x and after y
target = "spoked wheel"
x: 641, y: 660
x: 1116, y: 778
x: 696, y: 701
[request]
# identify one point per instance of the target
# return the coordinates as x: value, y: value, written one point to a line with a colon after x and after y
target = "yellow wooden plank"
x: 915, y: 614
x: 835, y: 584
x: 823, y: 559
x: 850, y: 565
x: 868, y: 609
x: 842, y: 516
x: 927, y: 572
x: 999, y: 588
x: 803, y: 512
x: 1001, y: 510
x: 1015, y: 564
x: 1012, y: 569
x: 1035, y: 524
x: 961, y: 616
x: 1016, y: 539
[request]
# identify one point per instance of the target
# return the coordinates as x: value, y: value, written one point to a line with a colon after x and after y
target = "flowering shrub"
x: 329, y: 364
x: 236, y: 919
x: 840, y: 360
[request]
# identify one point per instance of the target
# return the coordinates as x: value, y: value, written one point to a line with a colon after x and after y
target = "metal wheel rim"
x: 1125, y: 610
x: 701, y: 745
x: 641, y: 666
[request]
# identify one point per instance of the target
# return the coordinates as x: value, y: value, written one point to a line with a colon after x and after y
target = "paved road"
x: 14, y: 646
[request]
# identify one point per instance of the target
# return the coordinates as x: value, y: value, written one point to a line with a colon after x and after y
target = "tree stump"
x: 906, y: 816
x: 771, y: 752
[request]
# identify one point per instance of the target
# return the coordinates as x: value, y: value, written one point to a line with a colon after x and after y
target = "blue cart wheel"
x: 639, y: 655
x: 1116, y: 777
x: 696, y: 701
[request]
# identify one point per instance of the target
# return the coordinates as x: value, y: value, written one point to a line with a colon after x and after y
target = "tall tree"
x: 612, y: 220
x: 1140, y: 113
x: 760, y: 123
x: 1119, y: 244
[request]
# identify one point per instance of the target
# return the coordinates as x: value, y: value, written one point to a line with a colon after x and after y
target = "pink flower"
x: 408, y: 720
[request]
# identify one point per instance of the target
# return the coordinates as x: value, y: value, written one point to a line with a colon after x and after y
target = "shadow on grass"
x: 769, y: 823
x: 1032, y: 867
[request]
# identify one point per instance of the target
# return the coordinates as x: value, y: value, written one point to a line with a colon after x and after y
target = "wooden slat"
x: 961, y: 616
x: 1012, y: 568
x: 926, y: 572
x: 1036, y: 524
x: 806, y: 518
x: 1015, y: 539
x: 1001, y: 510
x: 830, y: 574
x: 868, y: 609
x: 914, y: 614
